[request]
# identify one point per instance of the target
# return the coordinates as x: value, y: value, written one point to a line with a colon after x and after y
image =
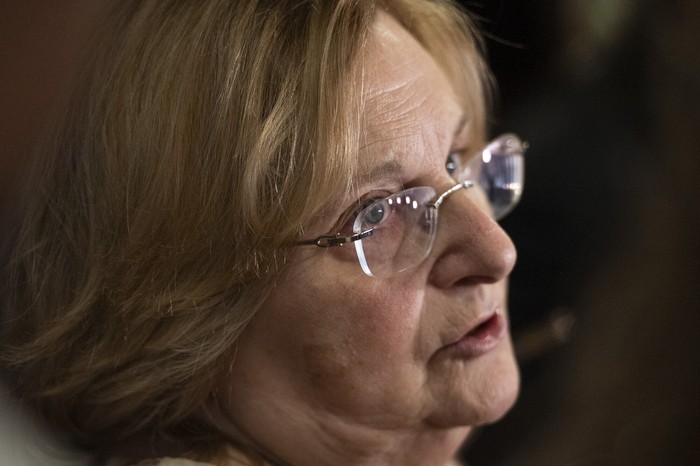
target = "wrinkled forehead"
x: 392, y: 59
x: 405, y: 94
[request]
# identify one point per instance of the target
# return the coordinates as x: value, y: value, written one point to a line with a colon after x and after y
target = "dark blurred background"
x: 604, y: 299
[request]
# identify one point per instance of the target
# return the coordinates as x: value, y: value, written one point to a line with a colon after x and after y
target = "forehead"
x: 410, y: 108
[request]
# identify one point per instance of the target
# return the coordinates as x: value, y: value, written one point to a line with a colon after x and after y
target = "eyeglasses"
x: 396, y: 233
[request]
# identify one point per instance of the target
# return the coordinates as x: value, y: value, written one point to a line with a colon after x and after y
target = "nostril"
x: 474, y: 280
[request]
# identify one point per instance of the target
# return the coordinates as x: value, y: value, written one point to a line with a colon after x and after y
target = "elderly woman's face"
x: 350, y: 360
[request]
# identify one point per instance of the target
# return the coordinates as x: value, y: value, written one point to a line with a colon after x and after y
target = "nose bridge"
x: 469, y: 242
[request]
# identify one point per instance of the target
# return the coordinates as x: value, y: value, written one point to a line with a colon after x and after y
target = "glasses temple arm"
x: 327, y: 241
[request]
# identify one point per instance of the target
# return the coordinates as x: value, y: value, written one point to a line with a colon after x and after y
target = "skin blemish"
x: 324, y: 363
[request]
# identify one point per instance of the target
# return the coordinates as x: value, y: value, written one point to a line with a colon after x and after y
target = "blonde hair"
x: 207, y: 136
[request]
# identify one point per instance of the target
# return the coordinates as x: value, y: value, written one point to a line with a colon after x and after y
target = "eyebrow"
x: 392, y: 167
x: 383, y: 171
x: 461, y: 124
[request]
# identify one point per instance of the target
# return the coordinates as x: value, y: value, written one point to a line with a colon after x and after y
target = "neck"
x: 297, y: 440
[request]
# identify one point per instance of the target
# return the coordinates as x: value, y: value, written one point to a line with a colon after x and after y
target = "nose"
x: 470, y: 247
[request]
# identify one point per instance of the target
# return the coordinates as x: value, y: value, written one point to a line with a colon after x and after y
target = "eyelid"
x: 465, y: 153
x: 462, y: 157
x: 364, y: 201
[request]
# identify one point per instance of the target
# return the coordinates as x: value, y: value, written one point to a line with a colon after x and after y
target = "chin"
x: 502, y: 387
x: 502, y: 398
x: 482, y: 397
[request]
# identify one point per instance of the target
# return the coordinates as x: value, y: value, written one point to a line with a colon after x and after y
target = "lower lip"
x: 481, y: 340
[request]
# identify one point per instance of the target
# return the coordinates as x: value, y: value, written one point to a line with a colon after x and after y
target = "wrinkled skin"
x: 342, y: 368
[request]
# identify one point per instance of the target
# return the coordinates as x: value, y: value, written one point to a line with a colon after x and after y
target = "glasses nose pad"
x: 426, y: 221
x: 428, y: 226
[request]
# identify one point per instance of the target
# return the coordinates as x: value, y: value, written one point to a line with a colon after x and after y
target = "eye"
x: 453, y: 164
x: 370, y: 209
x: 375, y: 214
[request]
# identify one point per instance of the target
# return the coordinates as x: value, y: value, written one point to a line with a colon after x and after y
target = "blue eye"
x: 375, y: 214
x: 453, y: 164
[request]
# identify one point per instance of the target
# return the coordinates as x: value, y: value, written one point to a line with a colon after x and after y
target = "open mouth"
x: 481, y: 339
x: 484, y: 328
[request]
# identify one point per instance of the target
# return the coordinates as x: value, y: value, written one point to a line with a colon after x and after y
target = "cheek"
x: 352, y: 348
x: 360, y: 328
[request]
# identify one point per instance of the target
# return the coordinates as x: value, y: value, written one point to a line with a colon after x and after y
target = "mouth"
x: 481, y: 339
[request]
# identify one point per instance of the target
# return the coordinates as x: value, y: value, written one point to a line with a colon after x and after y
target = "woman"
x: 167, y: 295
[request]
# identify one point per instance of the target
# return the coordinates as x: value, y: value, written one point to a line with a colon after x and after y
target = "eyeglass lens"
x: 403, y: 230
x: 404, y: 224
x: 499, y: 172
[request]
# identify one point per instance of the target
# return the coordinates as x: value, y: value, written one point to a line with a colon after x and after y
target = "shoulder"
x: 456, y: 462
x: 171, y: 462
x: 230, y: 457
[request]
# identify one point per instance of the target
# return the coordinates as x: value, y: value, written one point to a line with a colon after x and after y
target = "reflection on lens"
x: 403, y: 225
x: 403, y: 239
x: 501, y: 175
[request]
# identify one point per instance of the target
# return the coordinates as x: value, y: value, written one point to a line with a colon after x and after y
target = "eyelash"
x: 462, y: 156
x: 344, y: 225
